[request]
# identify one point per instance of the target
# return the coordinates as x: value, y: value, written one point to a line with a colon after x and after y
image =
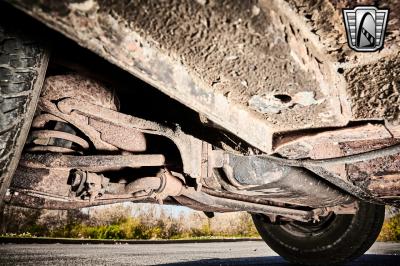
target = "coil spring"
x: 50, y: 133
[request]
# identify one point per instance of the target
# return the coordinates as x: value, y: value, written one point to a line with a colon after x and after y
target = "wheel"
x: 335, y: 239
x: 23, y: 63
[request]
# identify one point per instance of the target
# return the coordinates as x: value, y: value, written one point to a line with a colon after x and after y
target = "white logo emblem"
x: 365, y: 26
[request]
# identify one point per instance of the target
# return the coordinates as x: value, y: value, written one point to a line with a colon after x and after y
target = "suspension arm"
x: 94, y: 163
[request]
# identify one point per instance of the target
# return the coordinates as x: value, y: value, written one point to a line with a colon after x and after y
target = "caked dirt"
x: 235, y: 48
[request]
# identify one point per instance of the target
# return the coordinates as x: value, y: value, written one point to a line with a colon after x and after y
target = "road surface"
x: 231, y: 253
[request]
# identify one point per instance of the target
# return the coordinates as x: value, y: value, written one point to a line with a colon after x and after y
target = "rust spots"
x: 385, y: 185
x: 280, y: 102
x: 79, y: 87
x: 127, y: 139
x: 381, y: 176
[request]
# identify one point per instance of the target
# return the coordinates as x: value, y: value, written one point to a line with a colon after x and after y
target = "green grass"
x: 124, y: 223
x: 118, y: 224
x: 391, y: 230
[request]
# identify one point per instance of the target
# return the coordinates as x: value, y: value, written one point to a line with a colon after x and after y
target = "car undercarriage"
x: 248, y: 106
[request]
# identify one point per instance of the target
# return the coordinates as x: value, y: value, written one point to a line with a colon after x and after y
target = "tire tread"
x: 360, y: 235
x: 23, y: 62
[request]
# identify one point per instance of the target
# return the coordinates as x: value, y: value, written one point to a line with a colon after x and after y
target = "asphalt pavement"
x: 228, y: 253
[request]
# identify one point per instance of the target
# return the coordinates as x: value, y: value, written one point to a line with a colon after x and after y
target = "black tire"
x: 335, y: 240
x: 23, y: 63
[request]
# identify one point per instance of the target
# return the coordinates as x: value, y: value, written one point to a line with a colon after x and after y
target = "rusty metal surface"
x: 42, y: 181
x: 321, y: 169
x: 196, y: 205
x: 107, y: 129
x: 254, y: 104
x: 79, y: 122
x: 66, y: 187
x: 57, y: 187
x: 81, y: 176
x: 146, y: 184
x: 325, y: 144
x: 159, y: 187
x: 59, y: 184
x: 260, y: 177
x: 235, y: 196
x: 79, y: 87
x: 51, y: 149
x: 95, y: 163
x: 188, y: 146
x: 82, y: 88
x: 233, y: 81
x: 170, y: 186
x: 42, y: 137
x: 235, y: 205
x: 304, y: 76
x: 121, y: 137
x: 40, y: 120
x: 379, y: 176
x: 104, y: 116
x: 87, y: 185
x: 385, y: 185
x: 25, y: 199
x: 367, y: 85
x: 86, y: 90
